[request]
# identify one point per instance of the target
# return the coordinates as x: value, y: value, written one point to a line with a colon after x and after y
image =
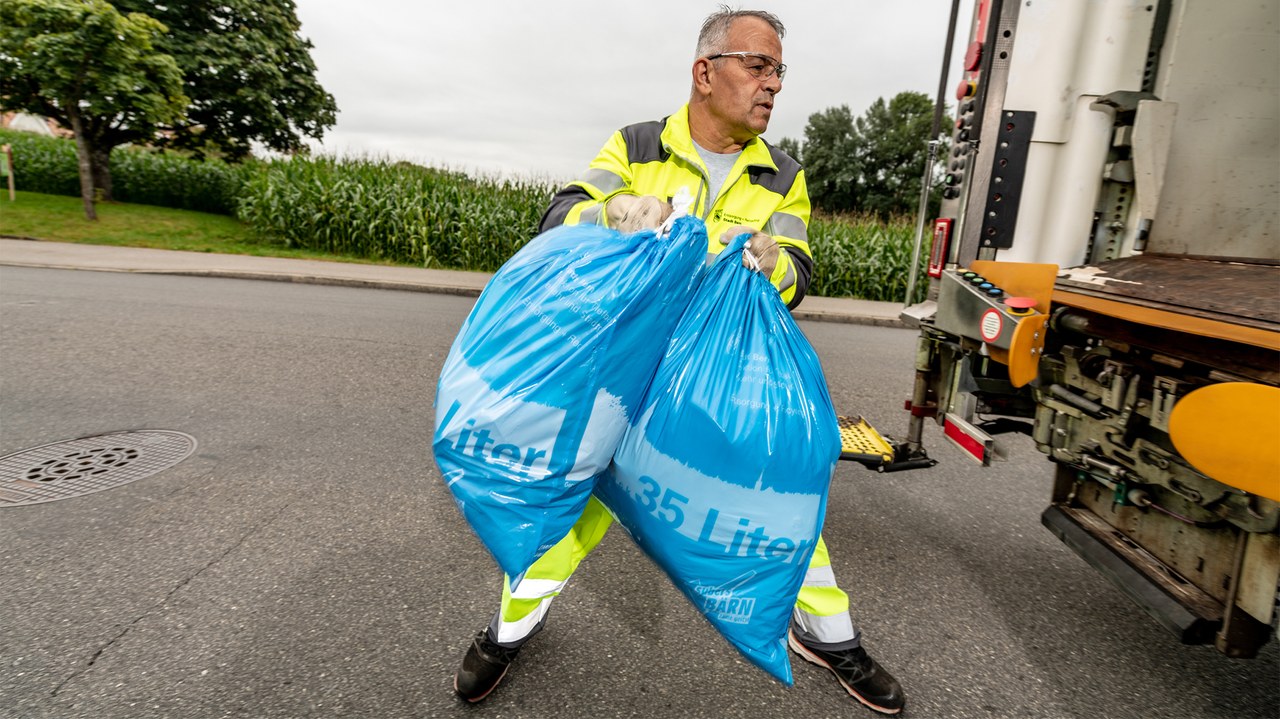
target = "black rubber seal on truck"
x: 1008, y: 168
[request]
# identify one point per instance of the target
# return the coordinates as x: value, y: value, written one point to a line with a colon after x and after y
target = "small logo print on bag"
x: 728, y: 608
x: 726, y: 602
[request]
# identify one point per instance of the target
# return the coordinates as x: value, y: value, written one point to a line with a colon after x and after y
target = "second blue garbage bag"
x: 547, y: 372
x: 722, y: 480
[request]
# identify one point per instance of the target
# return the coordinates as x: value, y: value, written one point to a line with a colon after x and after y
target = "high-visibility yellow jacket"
x: 764, y: 190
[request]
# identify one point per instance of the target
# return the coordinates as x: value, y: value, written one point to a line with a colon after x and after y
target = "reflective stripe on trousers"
x: 821, y: 615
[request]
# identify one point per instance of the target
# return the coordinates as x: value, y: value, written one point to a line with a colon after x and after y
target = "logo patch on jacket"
x: 722, y: 216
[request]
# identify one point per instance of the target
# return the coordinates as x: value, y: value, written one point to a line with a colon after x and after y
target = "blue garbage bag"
x: 722, y: 479
x: 547, y: 371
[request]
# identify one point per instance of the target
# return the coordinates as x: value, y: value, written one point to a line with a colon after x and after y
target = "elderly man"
x: 711, y: 148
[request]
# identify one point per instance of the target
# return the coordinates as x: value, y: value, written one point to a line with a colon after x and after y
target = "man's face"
x: 742, y: 103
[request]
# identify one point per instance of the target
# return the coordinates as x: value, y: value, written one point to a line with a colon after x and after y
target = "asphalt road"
x: 307, y: 560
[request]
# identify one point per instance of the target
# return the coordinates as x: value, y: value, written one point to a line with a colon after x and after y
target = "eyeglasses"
x: 761, y: 67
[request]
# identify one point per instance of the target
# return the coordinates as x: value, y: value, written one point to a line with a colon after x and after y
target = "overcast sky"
x: 535, y: 88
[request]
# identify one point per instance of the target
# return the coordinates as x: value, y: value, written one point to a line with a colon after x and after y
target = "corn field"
x: 393, y: 211
x: 862, y: 257
x: 408, y: 214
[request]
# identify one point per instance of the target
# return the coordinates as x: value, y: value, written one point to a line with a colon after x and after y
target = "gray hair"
x: 715, y: 29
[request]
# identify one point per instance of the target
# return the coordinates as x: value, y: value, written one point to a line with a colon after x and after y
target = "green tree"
x: 893, y: 148
x: 873, y: 163
x: 248, y: 72
x: 94, y: 70
x: 831, y: 159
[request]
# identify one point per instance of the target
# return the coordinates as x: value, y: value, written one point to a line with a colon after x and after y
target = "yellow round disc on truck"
x: 1231, y: 432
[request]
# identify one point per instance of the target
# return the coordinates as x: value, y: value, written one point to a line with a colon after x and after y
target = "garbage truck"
x: 1104, y: 281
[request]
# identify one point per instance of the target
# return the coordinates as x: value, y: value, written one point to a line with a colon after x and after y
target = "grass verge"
x: 61, y: 219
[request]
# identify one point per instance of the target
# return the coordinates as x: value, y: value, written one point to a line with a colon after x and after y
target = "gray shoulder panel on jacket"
x: 780, y: 181
x: 644, y: 142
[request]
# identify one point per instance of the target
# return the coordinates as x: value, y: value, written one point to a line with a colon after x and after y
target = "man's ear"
x: 702, y: 70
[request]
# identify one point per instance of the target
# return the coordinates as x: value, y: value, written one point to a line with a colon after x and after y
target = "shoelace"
x: 854, y: 662
x: 504, y: 654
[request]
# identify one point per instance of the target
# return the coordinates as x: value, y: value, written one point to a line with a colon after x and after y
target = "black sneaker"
x: 859, y: 674
x: 482, y: 668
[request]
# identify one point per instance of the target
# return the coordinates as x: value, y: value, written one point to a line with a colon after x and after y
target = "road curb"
x: 42, y: 254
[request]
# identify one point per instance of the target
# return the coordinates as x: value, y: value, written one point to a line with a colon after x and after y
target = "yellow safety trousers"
x: 823, y: 599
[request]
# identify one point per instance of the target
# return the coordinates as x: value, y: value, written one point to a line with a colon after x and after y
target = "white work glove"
x: 632, y: 213
x: 763, y: 247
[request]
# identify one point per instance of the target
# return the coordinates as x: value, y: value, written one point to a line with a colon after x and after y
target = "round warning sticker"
x: 992, y: 323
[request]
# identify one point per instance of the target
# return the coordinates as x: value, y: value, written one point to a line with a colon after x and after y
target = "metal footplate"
x: 1191, y: 614
x: 860, y: 442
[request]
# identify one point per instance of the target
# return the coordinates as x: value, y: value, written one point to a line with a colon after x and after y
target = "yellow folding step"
x: 860, y: 442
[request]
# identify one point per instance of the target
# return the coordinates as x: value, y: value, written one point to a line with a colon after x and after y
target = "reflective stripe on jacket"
x: 764, y: 190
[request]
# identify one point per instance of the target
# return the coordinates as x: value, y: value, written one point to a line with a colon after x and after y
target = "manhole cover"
x: 90, y: 464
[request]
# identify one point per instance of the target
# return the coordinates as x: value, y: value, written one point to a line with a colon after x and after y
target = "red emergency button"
x: 1020, y: 305
x: 966, y: 89
x: 973, y: 56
